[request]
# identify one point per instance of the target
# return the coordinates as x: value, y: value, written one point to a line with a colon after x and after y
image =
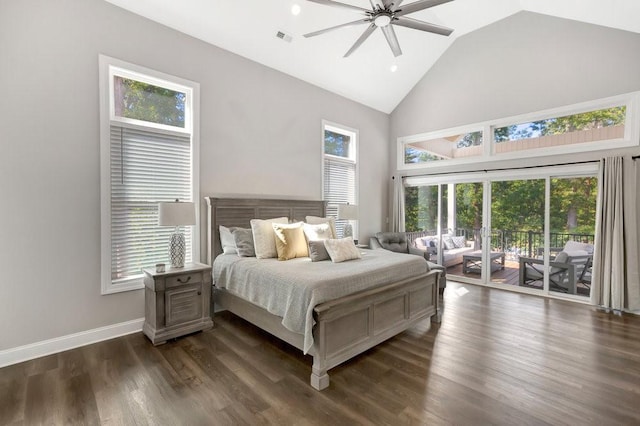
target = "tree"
x: 143, y: 101
x: 336, y: 144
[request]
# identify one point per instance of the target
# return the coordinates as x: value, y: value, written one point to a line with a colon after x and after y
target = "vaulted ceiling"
x: 249, y: 27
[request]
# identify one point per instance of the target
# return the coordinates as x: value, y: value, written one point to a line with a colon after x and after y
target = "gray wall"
x: 525, y: 63
x: 260, y: 135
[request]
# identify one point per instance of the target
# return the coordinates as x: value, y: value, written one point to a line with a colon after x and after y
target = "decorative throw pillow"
x: 321, y: 231
x: 226, y: 241
x: 317, y: 251
x: 342, y: 249
x: 459, y: 242
x: 315, y: 220
x: 448, y: 242
x: 243, y: 240
x: 264, y: 238
x: 290, y: 240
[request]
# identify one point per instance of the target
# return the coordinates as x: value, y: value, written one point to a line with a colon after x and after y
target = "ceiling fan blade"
x: 390, y: 35
x: 338, y: 4
x: 348, y: 24
x: 361, y: 40
x: 419, y: 5
x: 405, y: 21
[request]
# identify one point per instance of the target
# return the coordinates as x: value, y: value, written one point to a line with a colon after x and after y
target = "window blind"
x: 147, y: 167
x: 339, y: 186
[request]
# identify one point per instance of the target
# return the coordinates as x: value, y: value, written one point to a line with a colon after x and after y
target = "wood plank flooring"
x: 496, y: 358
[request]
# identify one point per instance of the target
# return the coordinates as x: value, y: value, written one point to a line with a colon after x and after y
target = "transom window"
x: 599, y: 125
x: 591, y: 126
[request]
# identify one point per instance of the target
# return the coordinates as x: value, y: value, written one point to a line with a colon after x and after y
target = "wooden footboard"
x: 350, y: 325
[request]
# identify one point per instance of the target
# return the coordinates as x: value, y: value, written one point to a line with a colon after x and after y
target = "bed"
x: 343, y: 327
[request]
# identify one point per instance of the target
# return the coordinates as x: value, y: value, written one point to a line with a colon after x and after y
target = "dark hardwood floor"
x: 496, y: 358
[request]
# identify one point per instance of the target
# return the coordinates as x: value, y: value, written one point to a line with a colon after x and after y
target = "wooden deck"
x: 510, y: 275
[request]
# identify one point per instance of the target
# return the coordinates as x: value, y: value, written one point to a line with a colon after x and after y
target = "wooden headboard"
x: 239, y: 212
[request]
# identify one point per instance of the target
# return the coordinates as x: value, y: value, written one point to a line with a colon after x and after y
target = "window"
x: 598, y: 125
x: 148, y: 155
x: 465, y: 144
x: 602, y: 124
x: 340, y: 175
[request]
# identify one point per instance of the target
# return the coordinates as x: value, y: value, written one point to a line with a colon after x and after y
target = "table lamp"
x: 347, y: 212
x: 176, y: 214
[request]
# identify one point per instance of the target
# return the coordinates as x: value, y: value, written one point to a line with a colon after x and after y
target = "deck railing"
x: 516, y: 243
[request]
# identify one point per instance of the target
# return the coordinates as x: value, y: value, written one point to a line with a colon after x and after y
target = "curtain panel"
x: 397, y: 213
x: 615, y: 281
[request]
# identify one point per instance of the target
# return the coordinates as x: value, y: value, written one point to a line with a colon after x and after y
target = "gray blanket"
x: 291, y: 289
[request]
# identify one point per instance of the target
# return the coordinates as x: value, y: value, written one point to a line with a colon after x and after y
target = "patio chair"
x: 565, y: 271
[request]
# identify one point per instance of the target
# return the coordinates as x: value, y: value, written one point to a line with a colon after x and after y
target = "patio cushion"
x: 575, y: 248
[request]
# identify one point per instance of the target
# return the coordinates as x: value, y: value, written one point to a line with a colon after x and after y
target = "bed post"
x: 319, y: 376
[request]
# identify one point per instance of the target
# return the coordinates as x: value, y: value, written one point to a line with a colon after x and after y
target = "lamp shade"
x: 176, y: 214
x: 347, y: 212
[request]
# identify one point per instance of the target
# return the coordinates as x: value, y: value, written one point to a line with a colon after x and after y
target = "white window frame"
x: 353, y: 157
x: 631, y: 134
x: 108, y: 67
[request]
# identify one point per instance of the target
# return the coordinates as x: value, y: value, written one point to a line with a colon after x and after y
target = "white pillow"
x: 227, y: 241
x: 573, y: 246
x: 264, y: 239
x: 322, y: 231
x: 342, y: 249
x: 315, y: 220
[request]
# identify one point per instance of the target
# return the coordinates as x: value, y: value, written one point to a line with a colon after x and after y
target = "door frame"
x: 486, y: 178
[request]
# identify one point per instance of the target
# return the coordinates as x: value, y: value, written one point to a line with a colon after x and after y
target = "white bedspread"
x: 291, y: 289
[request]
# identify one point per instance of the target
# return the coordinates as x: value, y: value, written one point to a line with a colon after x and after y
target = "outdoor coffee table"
x: 472, y: 262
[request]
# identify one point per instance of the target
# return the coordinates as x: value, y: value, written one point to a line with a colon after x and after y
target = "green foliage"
x: 470, y: 139
x: 412, y: 155
x: 336, y: 144
x: 569, y: 123
x: 146, y: 102
x: 469, y: 205
x: 516, y: 205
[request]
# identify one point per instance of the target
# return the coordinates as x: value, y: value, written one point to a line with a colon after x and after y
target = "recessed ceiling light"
x: 295, y: 9
x: 393, y: 68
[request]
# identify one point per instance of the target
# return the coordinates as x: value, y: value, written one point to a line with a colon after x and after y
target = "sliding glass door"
x: 534, y: 233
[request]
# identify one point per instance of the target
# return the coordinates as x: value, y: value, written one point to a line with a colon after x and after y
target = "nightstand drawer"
x: 182, y: 279
x: 183, y: 304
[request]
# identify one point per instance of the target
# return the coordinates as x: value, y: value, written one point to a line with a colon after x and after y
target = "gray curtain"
x: 397, y: 216
x: 615, y: 281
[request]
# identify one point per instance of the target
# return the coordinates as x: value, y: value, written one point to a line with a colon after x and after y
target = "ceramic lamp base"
x: 348, y: 230
x: 176, y: 250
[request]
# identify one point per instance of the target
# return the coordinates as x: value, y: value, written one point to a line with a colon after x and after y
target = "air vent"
x: 284, y: 36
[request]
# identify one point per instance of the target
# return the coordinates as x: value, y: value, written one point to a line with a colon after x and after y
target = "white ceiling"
x: 248, y: 28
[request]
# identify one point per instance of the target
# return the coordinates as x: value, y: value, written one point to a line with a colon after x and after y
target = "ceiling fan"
x: 385, y: 14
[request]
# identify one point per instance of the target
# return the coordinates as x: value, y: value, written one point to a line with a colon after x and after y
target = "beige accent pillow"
x: 315, y: 220
x: 290, y: 240
x: 342, y: 249
x: 264, y: 239
x: 321, y: 231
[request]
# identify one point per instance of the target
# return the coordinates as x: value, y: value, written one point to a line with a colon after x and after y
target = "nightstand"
x: 177, y: 302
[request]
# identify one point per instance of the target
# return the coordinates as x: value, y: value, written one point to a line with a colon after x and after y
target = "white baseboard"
x: 71, y: 341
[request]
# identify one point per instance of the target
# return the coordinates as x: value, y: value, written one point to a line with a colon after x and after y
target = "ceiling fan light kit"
x: 384, y: 14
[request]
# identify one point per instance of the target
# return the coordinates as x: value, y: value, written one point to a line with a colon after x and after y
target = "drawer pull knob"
x: 199, y: 293
x: 180, y: 280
